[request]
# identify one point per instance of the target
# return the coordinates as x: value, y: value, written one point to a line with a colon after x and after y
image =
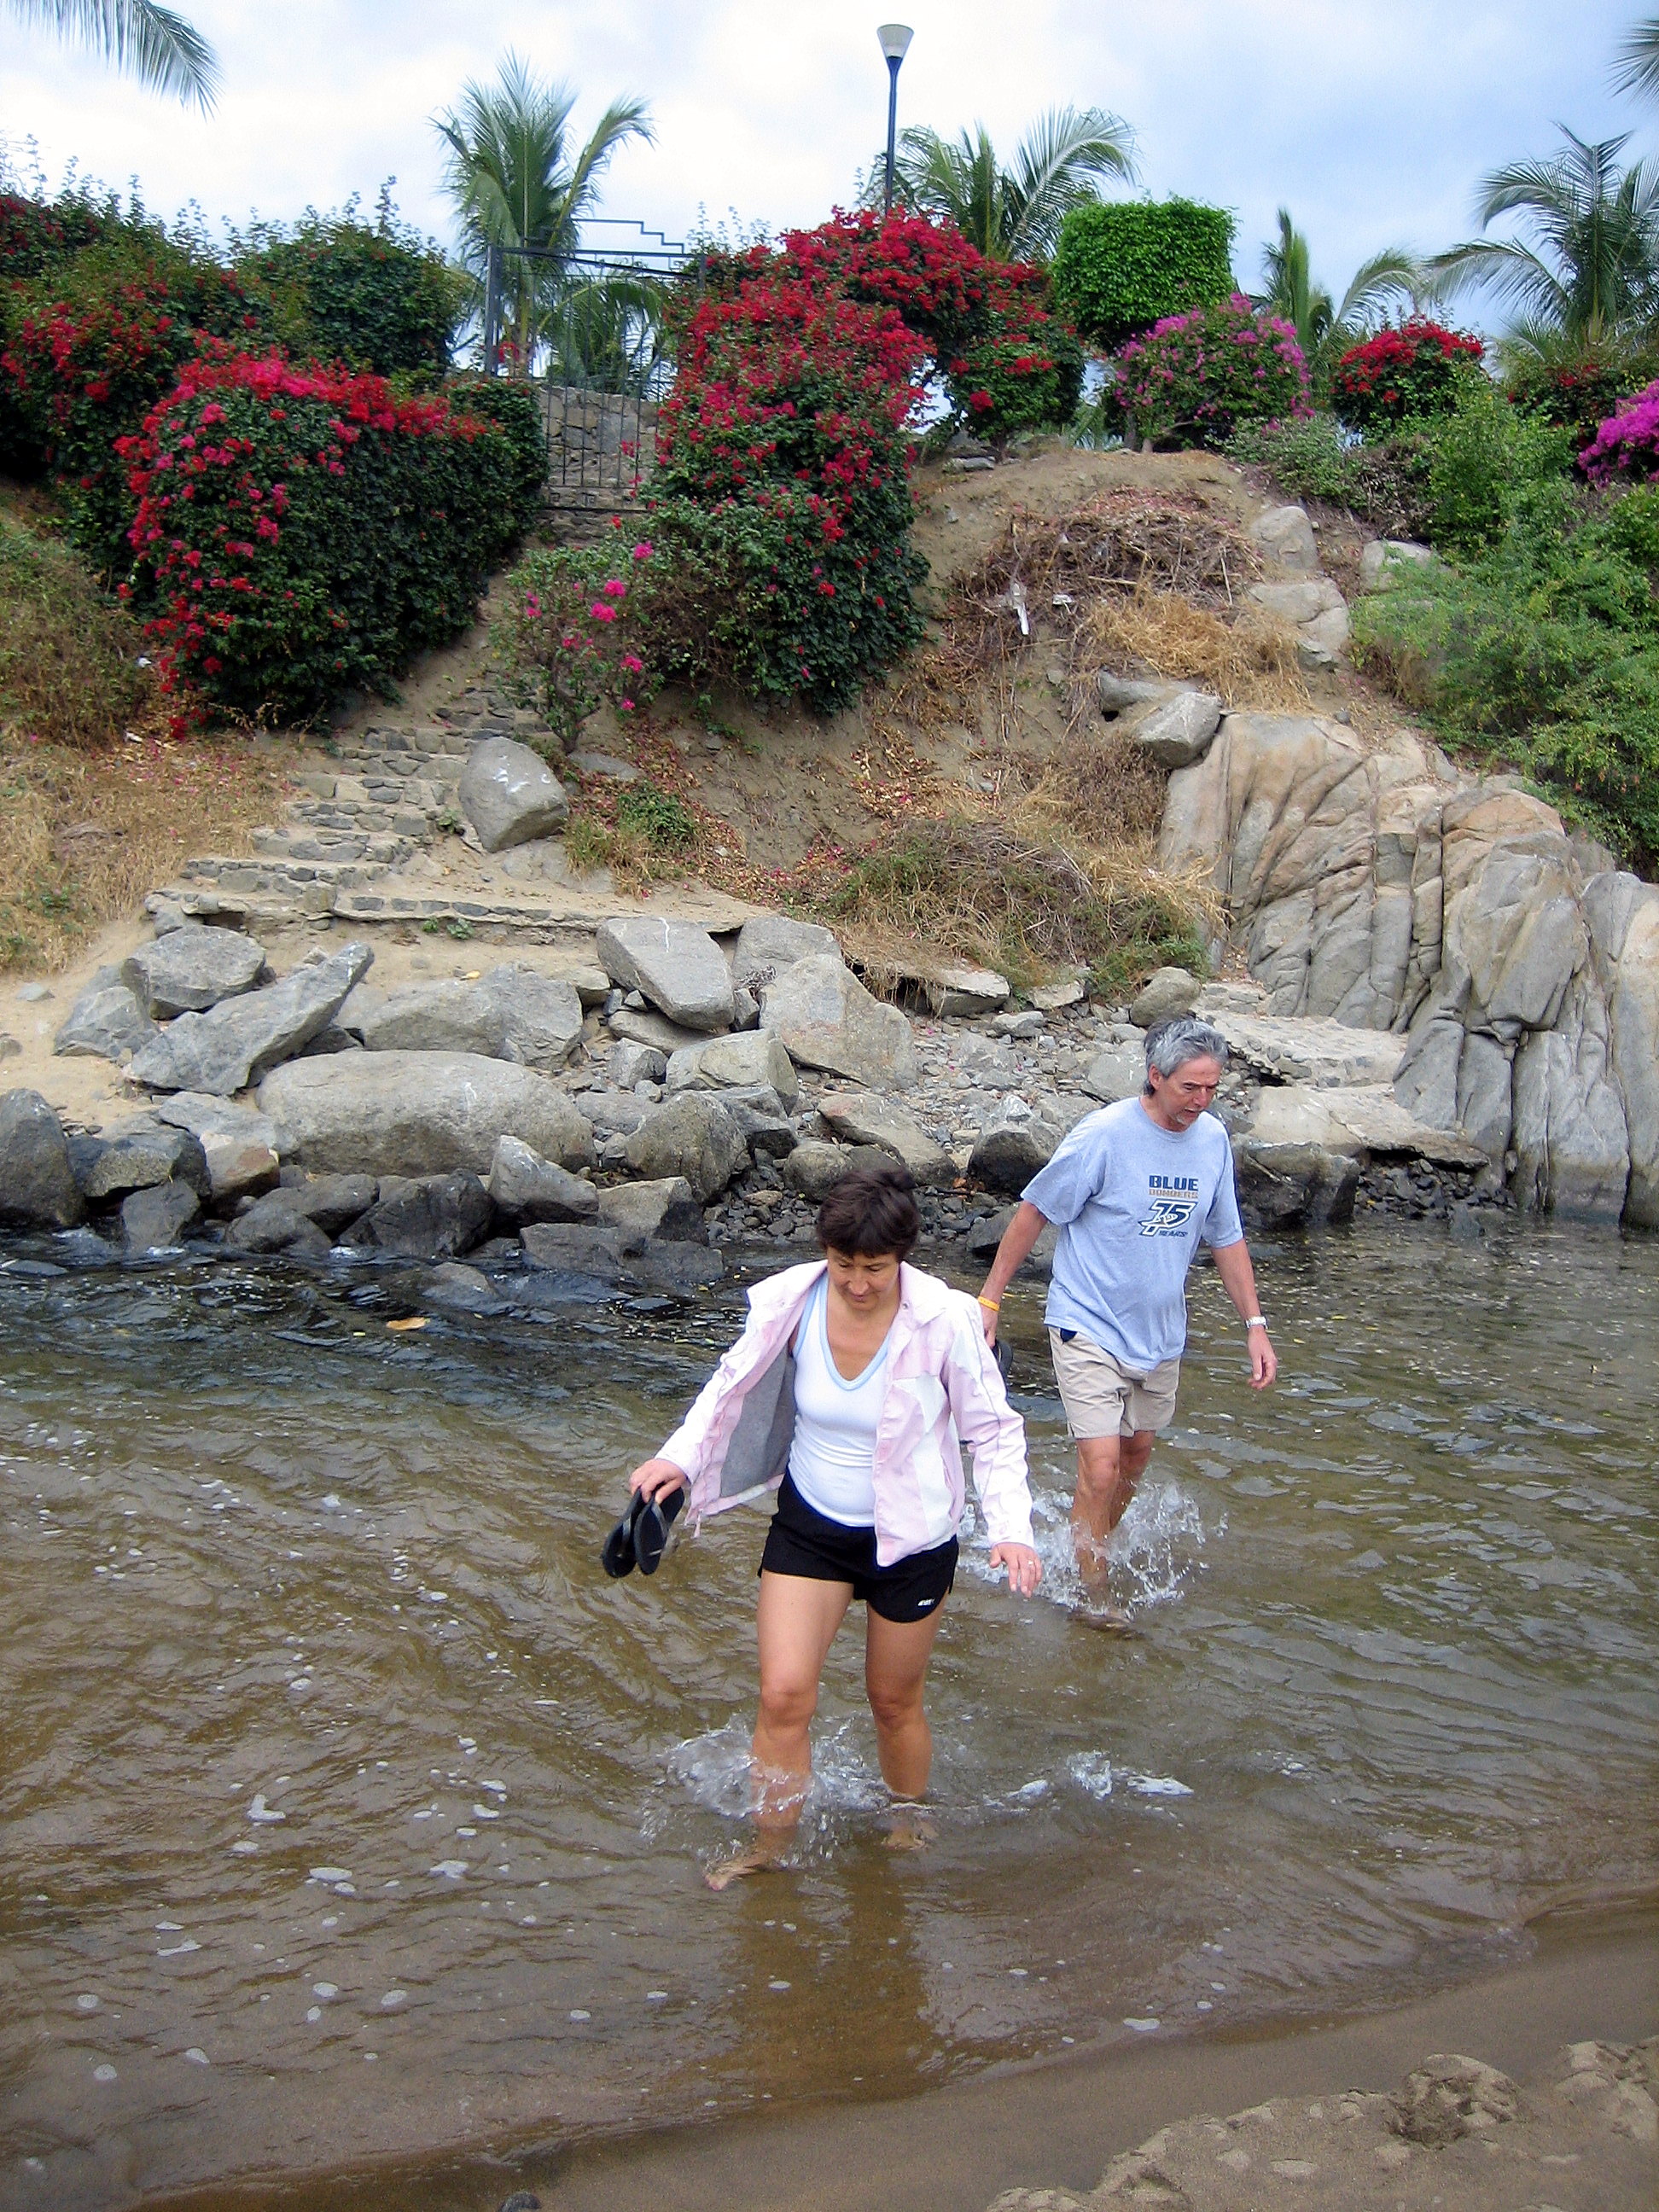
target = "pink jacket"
x: 942, y: 1385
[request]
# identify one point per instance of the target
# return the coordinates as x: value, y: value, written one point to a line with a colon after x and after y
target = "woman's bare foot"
x: 758, y: 1859
x: 1100, y: 1612
x: 911, y: 1830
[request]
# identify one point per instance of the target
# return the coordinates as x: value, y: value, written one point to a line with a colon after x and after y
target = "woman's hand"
x: 658, y: 1478
x: 1024, y: 1568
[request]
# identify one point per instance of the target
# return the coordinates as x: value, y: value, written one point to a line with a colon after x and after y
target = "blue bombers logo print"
x: 1173, y: 1199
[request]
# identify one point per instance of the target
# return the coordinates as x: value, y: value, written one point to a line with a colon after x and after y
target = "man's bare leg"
x: 797, y: 1620
x: 1109, y: 1470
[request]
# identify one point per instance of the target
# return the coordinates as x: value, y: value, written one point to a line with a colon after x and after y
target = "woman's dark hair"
x: 871, y: 1211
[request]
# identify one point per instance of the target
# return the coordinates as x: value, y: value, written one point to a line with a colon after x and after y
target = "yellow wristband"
x: 991, y: 1305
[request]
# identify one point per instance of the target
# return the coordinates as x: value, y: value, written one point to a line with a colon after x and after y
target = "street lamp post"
x: 895, y: 38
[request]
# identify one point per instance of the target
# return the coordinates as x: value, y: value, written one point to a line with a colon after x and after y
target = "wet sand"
x: 1047, y: 2135
x: 1059, y: 2126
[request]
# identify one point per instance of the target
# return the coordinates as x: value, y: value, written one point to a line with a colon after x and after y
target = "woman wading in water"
x: 850, y: 1387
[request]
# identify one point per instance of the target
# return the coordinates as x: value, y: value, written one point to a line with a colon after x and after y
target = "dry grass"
x: 84, y: 834
x: 70, y: 656
x: 1249, y: 663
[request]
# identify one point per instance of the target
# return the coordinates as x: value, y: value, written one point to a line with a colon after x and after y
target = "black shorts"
x: 803, y: 1541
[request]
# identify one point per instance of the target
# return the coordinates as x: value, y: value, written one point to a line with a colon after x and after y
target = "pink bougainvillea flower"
x: 614, y: 588
x: 532, y: 606
x: 600, y: 612
x: 642, y: 551
x: 627, y: 706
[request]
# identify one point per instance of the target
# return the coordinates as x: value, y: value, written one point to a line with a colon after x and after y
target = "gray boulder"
x: 675, y: 964
x: 1011, y: 1149
x: 1386, y: 561
x: 863, y: 1117
x: 690, y: 1135
x: 1122, y: 695
x: 455, y: 1288
x: 38, y: 1188
x: 419, y: 1113
x: 1120, y: 1071
x: 430, y: 1217
x: 1293, y: 1186
x: 627, y: 1257
x: 446, y: 1016
x: 824, y: 1018
x: 332, y: 1201
x: 667, y: 1210
x: 630, y: 1063
x: 1179, y: 731
x: 106, y: 1022
x: 739, y: 1062
x: 1053, y: 998
x: 813, y: 1170
x: 983, y: 1243
x: 239, y: 1145
x: 192, y: 969
x: 1323, y: 641
x: 1163, y: 996
x: 155, y: 1219
x: 1285, y: 535
x: 771, y: 941
x: 1449, y: 2096
x: 526, y: 1187
x: 236, y: 1042
x: 510, y: 795
x: 966, y: 992
x: 653, y: 1030
x: 275, y: 1223
x: 141, y: 1158
x: 1297, y: 603
x: 542, y: 1016
x: 761, y: 1122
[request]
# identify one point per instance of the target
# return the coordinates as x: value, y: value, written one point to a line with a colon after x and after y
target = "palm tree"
x: 1326, y: 329
x: 1591, y: 271
x: 1010, y: 214
x: 150, y: 43
x: 515, y: 183
x: 1636, y: 65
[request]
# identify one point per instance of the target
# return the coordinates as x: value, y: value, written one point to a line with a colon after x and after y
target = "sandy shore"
x: 1055, y: 2133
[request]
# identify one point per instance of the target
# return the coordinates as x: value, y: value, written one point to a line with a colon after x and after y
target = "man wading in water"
x: 852, y: 1390
x: 1134, y: 1188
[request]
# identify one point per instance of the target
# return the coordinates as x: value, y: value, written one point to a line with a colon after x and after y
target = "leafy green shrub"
x: 375, y: 297
x: 1195, y: 378
x: 1122, y: 266
x: 1025, y: 371
x: 1384, y: 483
x: 302, y: 531
x: 1492, y: 467
x: 519, y: 414
x: 70, y: 656
x: 36, y: 235
x: 665, y: 822
x: 1541, y: 647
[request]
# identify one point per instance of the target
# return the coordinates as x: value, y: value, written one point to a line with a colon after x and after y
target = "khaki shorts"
x: 1103, y: 1399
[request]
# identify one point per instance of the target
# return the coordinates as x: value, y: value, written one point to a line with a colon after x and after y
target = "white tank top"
x: 834, y: 1454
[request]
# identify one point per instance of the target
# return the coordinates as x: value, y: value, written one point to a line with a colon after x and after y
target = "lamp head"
x: 895, y: 40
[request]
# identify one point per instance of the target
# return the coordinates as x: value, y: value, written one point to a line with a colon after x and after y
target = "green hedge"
x: 1121, y: 267
x: 373, y: 297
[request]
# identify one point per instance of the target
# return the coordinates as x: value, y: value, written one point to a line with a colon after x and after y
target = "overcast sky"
x: 1370, y: 119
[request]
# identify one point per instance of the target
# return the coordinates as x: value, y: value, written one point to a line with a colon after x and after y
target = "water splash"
x: 1154, y: 1550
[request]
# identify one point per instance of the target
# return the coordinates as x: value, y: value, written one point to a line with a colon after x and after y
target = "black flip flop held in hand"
x: 651, y: 1530
x: 617, y: 1554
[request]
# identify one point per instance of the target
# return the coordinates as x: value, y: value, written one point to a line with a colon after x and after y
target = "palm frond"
x: 143, y: 40
x: 1635, y: 64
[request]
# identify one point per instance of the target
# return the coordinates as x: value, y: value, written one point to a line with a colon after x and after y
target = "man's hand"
x: 1024, y: 1568
x: 1024, y: 1228
x: 988, y: 1317
x: 1264, y: 1360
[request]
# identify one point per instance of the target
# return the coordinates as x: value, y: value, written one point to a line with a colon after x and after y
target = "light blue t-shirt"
x: 1133, y: 1200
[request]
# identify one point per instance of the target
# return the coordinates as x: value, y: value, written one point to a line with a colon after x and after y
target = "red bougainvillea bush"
x: 300, y: 531
x: 1195, y: 378
x: 1398, y: 374
x: 86, y: 360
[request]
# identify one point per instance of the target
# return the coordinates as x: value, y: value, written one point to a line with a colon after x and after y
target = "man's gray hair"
x: 1172, y: 1044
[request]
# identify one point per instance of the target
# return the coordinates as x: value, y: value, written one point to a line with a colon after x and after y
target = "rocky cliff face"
x: 1376, y: 885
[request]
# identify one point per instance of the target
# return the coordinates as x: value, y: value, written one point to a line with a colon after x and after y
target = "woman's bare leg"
x: 896, y: 1657
x: 797, y: 1620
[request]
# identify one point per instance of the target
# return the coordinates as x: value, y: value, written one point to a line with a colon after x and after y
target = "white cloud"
x: 1370, y: 119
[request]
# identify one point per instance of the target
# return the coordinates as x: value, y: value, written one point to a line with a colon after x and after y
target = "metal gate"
x: 586, y: 328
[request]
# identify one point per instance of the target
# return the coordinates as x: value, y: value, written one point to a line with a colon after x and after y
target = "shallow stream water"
x: 348, y: 1812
